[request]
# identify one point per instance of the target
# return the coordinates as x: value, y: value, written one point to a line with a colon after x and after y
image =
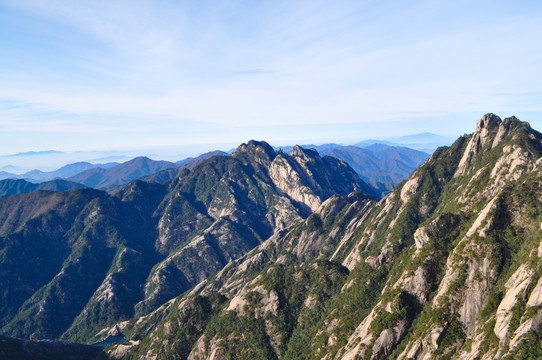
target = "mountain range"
x: 103, y: 178
x: 425, y: 142
x: 272, y: 255
x: 63, y: 172
x: 74, y: 262
x: 446, y: 266
x: 382, y: 166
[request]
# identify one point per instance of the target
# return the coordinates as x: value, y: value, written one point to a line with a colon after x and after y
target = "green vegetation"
x: 184, y: 331
x: 529, y: 349
x: 170, y: 259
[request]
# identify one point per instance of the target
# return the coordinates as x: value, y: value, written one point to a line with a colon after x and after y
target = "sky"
x: 180, y: 77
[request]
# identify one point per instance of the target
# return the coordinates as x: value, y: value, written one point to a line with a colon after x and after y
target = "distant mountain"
x: 421, y: 138
x: 7, y: 175
x: 34, y: 153
x: 426, y: 142
x: 382, y: 166
x: 21, y: 186
x: 100, y: 178
x: 16, y: 186
x: 191, y: 162
x: 10, y: 168
x: 188, y: 163
x: 111, y: 159
x: 64, y: 172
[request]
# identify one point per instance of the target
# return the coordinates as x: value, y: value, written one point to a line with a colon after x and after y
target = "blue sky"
x: 113, y: 75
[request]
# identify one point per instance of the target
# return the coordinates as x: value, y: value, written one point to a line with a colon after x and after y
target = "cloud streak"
x: 188, y: 72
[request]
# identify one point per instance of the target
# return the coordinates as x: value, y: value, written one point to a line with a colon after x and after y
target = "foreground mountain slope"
x: 447, y: 266
x: 98, y: 259
x: 71, y: 247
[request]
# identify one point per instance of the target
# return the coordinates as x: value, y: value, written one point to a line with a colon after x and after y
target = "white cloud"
x: 148, y: 66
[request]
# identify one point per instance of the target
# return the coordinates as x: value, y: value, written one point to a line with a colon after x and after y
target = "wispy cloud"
x: 188, y: 72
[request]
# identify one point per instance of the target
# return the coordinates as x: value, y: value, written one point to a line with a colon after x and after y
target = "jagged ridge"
x: 447, y: 266
x: 98, y: 259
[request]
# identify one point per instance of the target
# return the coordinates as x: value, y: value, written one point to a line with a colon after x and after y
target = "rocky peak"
x: 490, y: 132
x: 488, y: 121
x: 298, y: 151
x: 509, y: 120
x: 260, y: 151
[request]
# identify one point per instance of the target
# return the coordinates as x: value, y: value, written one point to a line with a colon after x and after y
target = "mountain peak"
x: 256, y: 144
x: 491, y: 133
x: 256, y: 149
x: 139, y: 159
x: 488, y: 121
x: 303, y: 152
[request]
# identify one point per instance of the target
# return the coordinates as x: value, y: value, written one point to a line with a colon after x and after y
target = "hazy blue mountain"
x: 320, y: 148
x: 421, y: 138
x: 369, y: 142
x: 9, y: 168
x: 16, y: 186
x: 7, y: 175
x: 382, y: 166
x: 34, y: 153
x: 63, y: 172
x: 426, y: 142
x: 191, y: 162
x: 138, y: 167
x: 59, y: 185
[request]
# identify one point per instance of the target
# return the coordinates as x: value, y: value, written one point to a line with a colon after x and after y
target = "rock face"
x: 515, y: 288
x: 486, y: 128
